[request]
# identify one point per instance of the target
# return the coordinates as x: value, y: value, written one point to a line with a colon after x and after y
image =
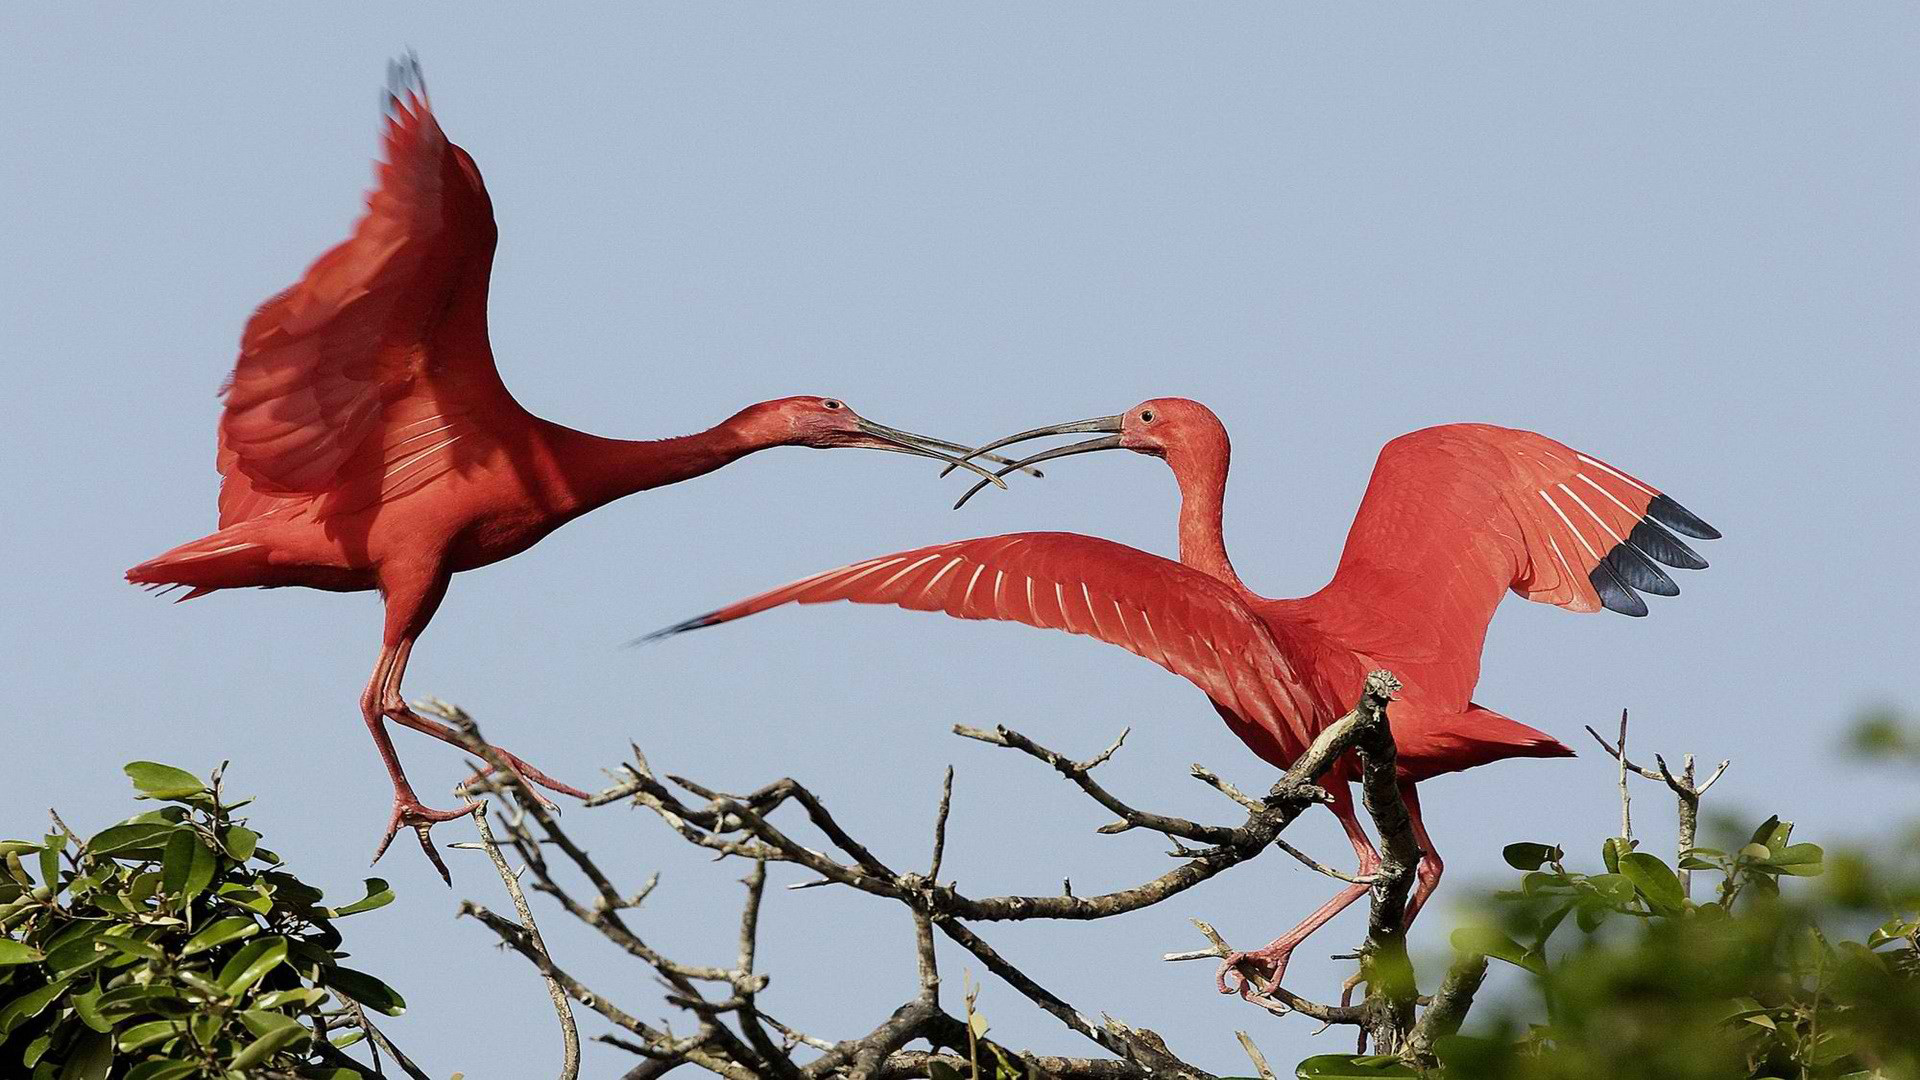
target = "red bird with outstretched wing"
x: 1453, y: 518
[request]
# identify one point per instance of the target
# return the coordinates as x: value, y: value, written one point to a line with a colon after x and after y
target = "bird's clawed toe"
x: 421, y: 819
x: 529, y: 774
x: 1258, y: 972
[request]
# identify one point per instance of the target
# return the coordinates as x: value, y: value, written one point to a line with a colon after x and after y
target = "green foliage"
x: 1635, y: 979
x: 172, y: 946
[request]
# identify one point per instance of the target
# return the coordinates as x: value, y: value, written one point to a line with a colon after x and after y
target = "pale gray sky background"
x: 1683, y: 239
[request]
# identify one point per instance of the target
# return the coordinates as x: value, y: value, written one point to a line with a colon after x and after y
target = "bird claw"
x: 421, y: 819
x: 1247, y: 968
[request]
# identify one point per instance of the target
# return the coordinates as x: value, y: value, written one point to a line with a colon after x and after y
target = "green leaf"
x: 149, y: 1033
x: 379, y: 895
x: 1800, y: 860
x: 1773, y: 832
x: 157, y: 781
x: 14, y: 952
x: 274, y: 1033
x: 86, y: 1005
x: 1655, y: 881
x: 252, y: 962
x: 1616, y: 889
x: 1590, y: 913
x: 366, y: 990
x: 131, y: 946
x: 306, y: 995
x: 245, y: 896
x: 240, y: 842
x: 130, y: 836
x: 50, y: 862
x: 1611, y: 850
x: 90, y: 1058
x: 1542, y: 881
x: 219, y: 932
x: 37, y: 1049
x: 29, y: 1005
x: 1490, y: 941
x: 188, y: 866
x: 1530, y: 856
x: 1344, y: 1066
x: 162, y: 1069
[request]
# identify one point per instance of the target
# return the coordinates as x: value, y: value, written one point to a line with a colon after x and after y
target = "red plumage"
x: 1453, y: 518
x: 368, y: 442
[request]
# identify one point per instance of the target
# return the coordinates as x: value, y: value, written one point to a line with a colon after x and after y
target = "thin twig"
x: 940, y: 826
x: 1313, y: 863
x: 1253, y: 1053
x: 569, y: 1033
x: 379, y: 1038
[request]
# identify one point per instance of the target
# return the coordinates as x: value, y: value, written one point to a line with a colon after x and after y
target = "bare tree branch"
x: 735, y: 1037
x: 569, y: 1033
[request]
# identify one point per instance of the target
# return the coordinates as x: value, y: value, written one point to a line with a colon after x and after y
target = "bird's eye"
x: 831, y: 404
x: 1146, y: 416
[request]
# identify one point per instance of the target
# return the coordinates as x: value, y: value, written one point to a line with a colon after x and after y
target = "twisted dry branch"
x: 734, y: 1036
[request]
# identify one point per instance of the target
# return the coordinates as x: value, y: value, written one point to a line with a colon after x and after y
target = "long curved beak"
x: 1099, y: 423
x: 966, y: 453
x: 906, y: 442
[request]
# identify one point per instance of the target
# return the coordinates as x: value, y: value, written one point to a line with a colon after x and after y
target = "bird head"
x: 1168, y: 428
x: 825, y: 423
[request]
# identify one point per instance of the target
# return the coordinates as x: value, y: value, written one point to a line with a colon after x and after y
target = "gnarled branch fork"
x: 734, y: 1036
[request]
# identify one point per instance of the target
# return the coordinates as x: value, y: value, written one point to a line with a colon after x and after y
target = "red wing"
x: 388, y: 327
x: 1456, y: 515
x: 1176, y: 617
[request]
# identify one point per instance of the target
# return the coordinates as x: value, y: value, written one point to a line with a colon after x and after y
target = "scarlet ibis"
x: 368, y: 442
x: 1453, y: 517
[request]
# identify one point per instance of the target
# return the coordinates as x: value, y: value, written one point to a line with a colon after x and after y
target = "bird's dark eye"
x: 831, y: 404
x: 1146, y: 416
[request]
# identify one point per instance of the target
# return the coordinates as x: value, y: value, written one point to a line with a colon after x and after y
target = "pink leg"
x: 1430, y: 867
x: 1260, y: 970
x: 408, y: 810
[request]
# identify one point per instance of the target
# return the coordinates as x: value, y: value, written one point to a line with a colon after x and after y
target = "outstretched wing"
x: 1456, y: 515
x: 1176, y: 617
x: 383, y: 343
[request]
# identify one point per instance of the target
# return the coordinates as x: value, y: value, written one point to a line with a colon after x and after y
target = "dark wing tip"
x: 1681, y: 520
x: 1639, y: 572
x: 694, y: 623
x: 403, y: 76
x: 1614, y: 593
x: 1655, y: 542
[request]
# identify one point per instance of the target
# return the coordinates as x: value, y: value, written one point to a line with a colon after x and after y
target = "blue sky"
x: 1683, y: 240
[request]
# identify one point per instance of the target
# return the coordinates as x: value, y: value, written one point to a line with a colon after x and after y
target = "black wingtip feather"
x: 1662, y: 546
x: 1639, y: 572
x: 1614, y: 592
x: 694, y: 623
x: 1681, y: 520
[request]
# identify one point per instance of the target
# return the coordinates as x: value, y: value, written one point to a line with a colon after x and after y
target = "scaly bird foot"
x: 1258, y: 971
x: 408, y: 811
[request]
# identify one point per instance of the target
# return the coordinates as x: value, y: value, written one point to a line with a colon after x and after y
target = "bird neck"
x: 598, y: 470
x: 1203, y: 494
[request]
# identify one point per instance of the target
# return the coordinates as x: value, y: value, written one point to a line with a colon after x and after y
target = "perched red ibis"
x: 368, y: 442
x: 1453, y: 518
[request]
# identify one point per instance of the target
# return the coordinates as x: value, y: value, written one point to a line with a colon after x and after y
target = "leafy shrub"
x: 1748, y: 984
x: 171, y: 946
